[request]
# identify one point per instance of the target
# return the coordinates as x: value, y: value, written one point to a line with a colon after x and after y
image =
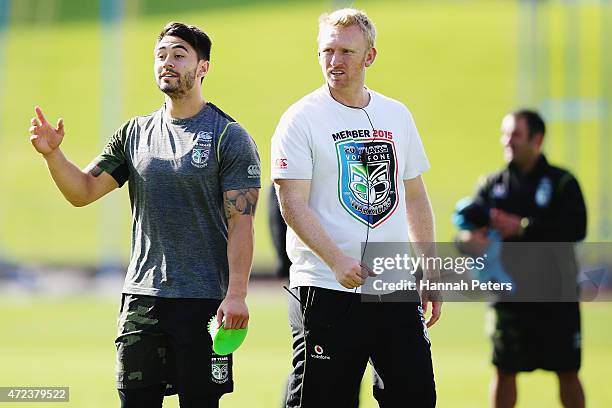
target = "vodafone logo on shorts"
x: 280, y: 163
x: 319, y: 353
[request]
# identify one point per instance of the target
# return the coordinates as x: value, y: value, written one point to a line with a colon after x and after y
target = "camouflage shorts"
x: 164, y: 341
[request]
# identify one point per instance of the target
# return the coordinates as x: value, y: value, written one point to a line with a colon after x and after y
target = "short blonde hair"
x: 347, y: 17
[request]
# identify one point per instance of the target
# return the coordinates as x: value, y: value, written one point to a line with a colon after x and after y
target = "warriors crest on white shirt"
x: 356, y: 160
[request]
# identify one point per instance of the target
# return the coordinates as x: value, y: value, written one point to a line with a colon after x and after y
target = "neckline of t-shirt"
x: 185, y: 121
x: 340, y: 105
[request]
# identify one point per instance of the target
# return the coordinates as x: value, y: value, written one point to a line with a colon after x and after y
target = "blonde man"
x: 346, y: 162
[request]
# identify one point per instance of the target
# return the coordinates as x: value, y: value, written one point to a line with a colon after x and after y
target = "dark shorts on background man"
x: 528, y: 336
x: 165, y: 341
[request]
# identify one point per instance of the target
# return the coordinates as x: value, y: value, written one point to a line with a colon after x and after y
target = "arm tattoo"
x: 95, y: 171
x: 241, y: 201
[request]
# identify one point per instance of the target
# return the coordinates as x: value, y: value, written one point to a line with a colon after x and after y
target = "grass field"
x: 69, y: 342
x: 453, y: 64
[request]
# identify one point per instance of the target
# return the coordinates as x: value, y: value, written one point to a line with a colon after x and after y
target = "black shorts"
x: 165, y: 341
x: 335, y: 334
x: 528, y: 336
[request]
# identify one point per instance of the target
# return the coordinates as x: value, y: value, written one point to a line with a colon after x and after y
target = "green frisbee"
x: 225, y: 341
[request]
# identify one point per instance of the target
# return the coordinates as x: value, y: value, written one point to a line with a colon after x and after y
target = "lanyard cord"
x: 364, y: 161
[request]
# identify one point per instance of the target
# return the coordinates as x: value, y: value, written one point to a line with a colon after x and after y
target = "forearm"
x: 71, y: 181
x: 300, y: 217
x: 421, y: 221
x: 421, y: 228
x: 239, y: 208
x: 240, y: 243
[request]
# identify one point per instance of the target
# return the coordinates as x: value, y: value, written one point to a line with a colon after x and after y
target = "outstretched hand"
x: 45, y: 138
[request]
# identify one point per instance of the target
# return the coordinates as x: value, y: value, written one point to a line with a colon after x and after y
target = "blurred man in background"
x: 193, y: 176
x: 532, y: 201
x: 335, y: 331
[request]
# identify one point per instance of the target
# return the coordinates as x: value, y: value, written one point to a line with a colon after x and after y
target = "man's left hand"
x: 508, y: 225
x: 235, y: 311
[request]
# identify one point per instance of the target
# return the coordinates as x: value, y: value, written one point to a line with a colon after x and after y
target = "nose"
x: 168, y: 62
x: 505, y: 140
x: 336, y: 59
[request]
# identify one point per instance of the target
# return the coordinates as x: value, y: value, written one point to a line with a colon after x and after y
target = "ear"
x: 203, y: 67
x: 538, y: 140
x: 370, y: 56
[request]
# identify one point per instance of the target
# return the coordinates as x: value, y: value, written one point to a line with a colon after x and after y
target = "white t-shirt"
x: 322, y: 140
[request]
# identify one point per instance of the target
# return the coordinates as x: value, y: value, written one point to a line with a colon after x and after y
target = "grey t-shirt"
x: 177, y: 171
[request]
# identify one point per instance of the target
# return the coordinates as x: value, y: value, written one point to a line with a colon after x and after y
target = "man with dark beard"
x: 193, y: 176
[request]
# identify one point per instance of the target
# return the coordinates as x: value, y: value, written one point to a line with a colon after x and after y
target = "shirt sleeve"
x: 291, y: 149
x: 239, y: 164
x: 113, y: 158
x: 482, y: 193
x: 567, y: 222
x: 416, y: 160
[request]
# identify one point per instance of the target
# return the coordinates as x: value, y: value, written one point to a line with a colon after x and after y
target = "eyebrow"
x: 163, y: 47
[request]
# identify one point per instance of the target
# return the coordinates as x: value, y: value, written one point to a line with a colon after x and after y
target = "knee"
x: 505, y: 377
x: 568, y: 377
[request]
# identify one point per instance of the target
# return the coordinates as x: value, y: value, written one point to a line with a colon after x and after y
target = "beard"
x: 178, y: 89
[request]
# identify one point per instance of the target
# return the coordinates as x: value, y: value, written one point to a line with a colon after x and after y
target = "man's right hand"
x: 350, y: 273
x: 45, y: 138
x: 473, y: 242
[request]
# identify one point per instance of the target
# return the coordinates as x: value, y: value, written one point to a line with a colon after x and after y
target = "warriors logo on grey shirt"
x: 177, y: 171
